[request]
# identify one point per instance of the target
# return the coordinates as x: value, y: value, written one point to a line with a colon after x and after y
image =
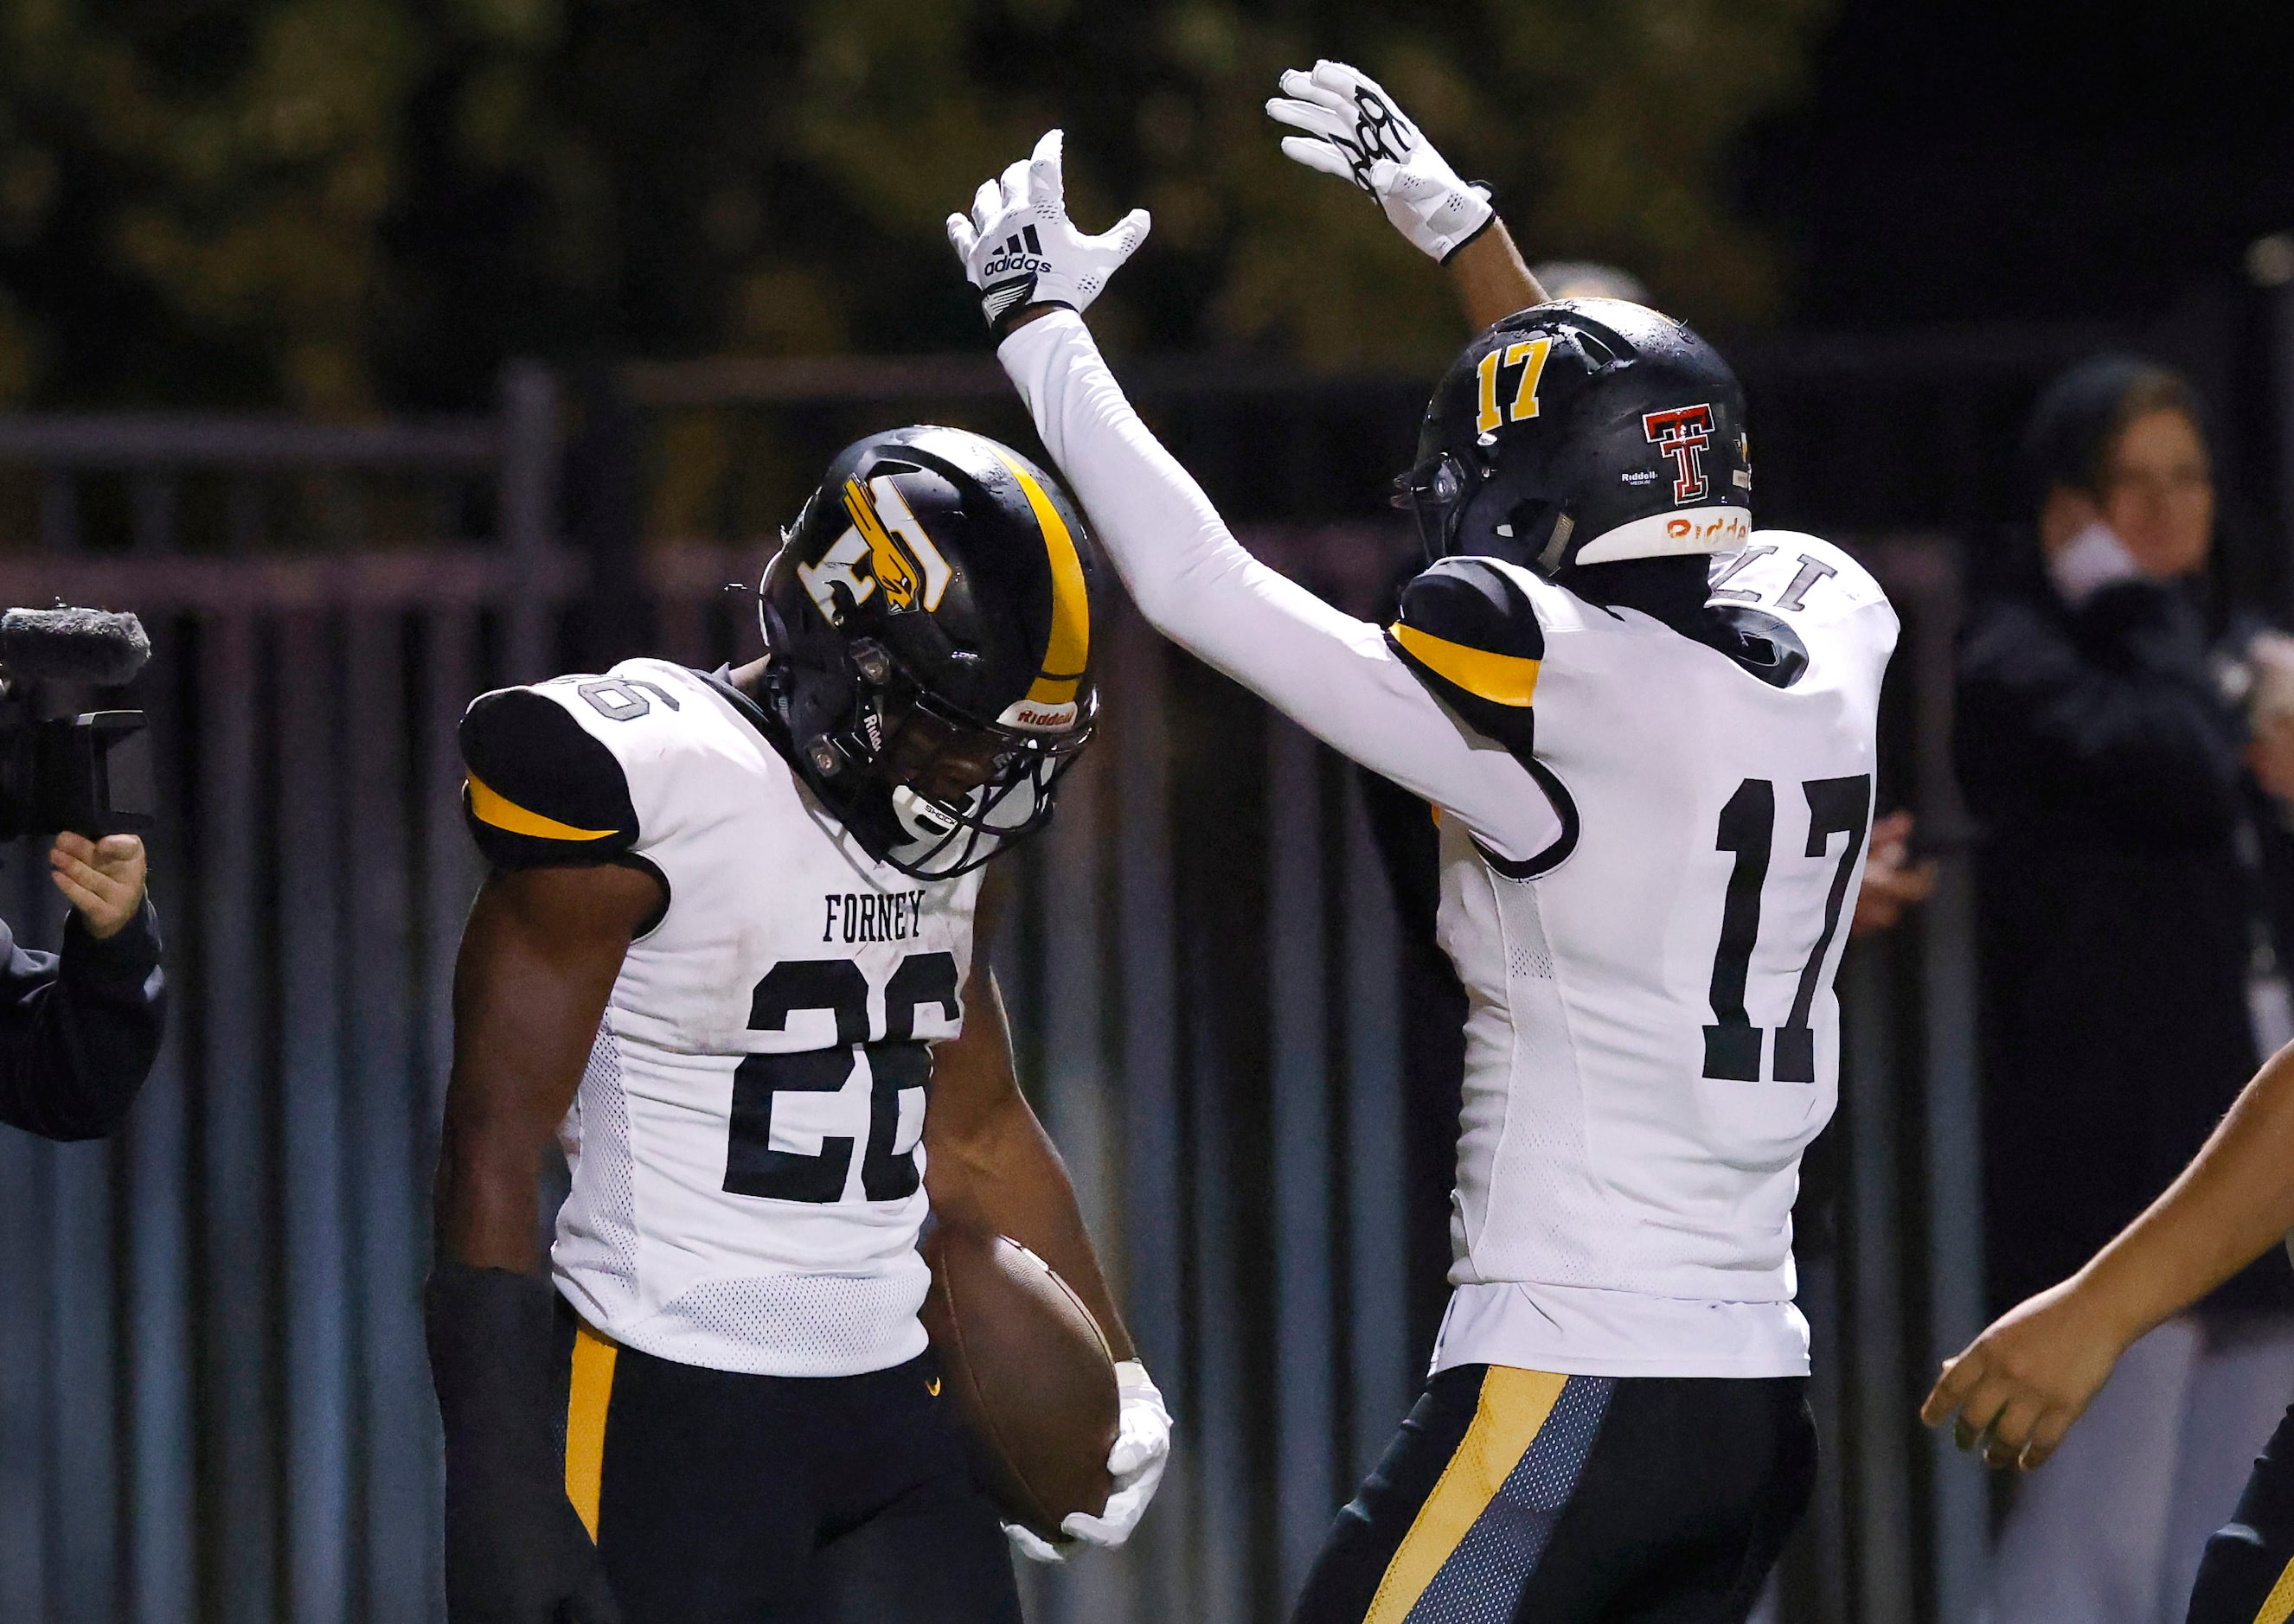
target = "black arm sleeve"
x: 2107, y: 715
x: 516, y: 1548
x: 78, y: 1034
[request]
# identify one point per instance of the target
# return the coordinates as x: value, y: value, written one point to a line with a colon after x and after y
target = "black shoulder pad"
x: 541, y: 789
x: 1471, y: 636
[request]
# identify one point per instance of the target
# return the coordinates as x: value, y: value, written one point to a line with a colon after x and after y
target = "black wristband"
x: 1000, y: 329
x: 1473, y: 236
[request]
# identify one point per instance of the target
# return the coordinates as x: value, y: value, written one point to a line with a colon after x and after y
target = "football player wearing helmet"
x: 1649, y: 733
x: 727, y: 947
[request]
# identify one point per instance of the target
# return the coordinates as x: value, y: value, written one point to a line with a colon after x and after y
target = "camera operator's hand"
x: 103, y: 879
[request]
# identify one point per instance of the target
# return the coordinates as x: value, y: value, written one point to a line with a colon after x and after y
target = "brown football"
x: 1030, y: 1373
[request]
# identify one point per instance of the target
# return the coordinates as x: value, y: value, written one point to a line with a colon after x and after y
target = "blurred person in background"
x: 2132, y: 820
x: 80, y: 1028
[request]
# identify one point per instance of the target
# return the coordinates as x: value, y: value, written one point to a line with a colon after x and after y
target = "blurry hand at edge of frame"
x: 103, y: 879
x: 1893, y: 882
x: 2017, y: 1388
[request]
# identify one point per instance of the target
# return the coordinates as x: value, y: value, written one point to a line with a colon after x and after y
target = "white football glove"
x: 1353, y: 129
x: 1019, y: 247
x: 1142, y: 1446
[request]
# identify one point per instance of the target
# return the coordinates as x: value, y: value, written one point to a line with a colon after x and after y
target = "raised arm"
x: 1491, y: 280
x: 1348, y: 125
x: 1336, y: 676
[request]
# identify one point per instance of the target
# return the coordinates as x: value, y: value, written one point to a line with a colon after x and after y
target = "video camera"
x: 90, y: 774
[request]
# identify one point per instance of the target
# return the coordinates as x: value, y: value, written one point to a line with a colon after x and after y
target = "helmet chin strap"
x: 1558, y: 546
x: 921, y: 820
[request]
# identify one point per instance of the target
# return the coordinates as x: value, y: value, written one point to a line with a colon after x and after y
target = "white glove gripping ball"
x: 1019, y: 247
x: 1353, y: 129
x: 1142, y: 1446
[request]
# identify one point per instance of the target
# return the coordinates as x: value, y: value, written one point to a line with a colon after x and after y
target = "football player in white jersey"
x: 727, y: 945
x: 1649, y: 734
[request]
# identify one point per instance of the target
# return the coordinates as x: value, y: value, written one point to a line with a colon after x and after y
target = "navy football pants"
x: 718, y: 1497
x: 1516, y: 1495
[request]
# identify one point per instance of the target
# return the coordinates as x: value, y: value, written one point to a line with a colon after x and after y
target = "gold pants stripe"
x: 2278, y: 1606
x: 1512, y: 1410
x: 588, y: 1397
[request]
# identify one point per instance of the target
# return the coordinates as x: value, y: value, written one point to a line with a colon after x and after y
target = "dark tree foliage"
x: 344, y: 204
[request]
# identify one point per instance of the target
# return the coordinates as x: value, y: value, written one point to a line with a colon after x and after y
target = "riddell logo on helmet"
x: 1682, y: 434
x: 1021, y: 255
x: 1040, y: 718
x: 1730, y: 524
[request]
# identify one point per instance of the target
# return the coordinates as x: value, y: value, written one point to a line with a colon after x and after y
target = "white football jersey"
x: 1652, y: 1037
x: 747, y: 1170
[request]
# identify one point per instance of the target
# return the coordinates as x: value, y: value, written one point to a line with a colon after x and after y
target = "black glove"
x: 515, y: 1550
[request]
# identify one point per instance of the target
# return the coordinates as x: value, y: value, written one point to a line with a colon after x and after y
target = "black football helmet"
x: 928, y: 622
x: 1580, y: 432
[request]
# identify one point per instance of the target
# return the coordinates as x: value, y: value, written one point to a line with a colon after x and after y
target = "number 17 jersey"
x: 747, y: 1140
x: 1652, y: 1037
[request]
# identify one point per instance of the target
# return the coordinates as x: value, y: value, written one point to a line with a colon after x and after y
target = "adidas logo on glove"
x: 1022, y: 255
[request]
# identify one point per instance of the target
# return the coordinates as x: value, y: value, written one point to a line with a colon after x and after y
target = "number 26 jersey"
x: 745, y: 1143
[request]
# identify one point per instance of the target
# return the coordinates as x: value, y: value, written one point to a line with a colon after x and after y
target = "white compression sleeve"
x: 1330, y: 673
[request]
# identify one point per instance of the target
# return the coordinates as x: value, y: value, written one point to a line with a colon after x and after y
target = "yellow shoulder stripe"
x: 1069, y: 650
x: 1513, y: 1408
x: 1504, y: 679
x: 588, y: 1395
x: 507, y: 815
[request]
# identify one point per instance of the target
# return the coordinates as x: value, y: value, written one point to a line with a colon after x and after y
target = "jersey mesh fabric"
x: 807, y: 1311
x: 1543, y: 1139
x: 596, y: 1242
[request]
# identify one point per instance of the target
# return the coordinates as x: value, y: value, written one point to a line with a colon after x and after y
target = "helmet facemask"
x: 1438, y: 492
x: 960, y: 793
x: 1433, y: 494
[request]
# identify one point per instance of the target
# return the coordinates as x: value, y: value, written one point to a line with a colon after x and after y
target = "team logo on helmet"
x: 1682, y: 433
x: 899, y: 554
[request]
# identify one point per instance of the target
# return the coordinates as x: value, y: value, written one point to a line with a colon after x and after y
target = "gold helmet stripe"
x: 1504, y: 679
x: 1069, y: 650
x: 492, y: 807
